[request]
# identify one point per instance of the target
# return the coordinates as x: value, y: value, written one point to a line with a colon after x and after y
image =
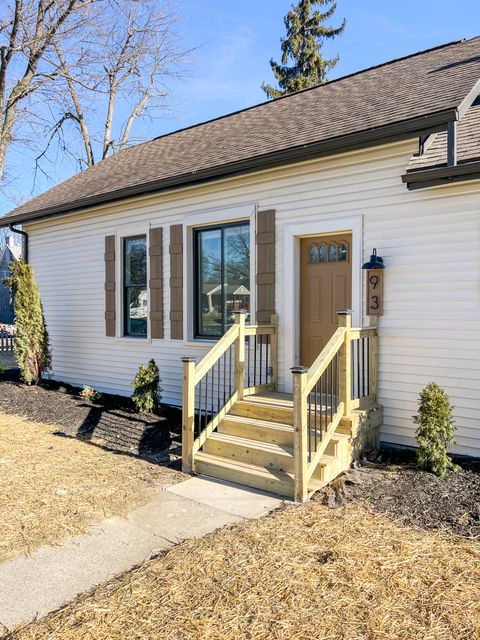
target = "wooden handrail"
x: 193, y: 375
x: 323, y: 360
x: 216, y: 352
x: 260, y: 329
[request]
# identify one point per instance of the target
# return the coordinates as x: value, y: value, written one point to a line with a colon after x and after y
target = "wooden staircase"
x: 254, y: 446
x: 237, y: 427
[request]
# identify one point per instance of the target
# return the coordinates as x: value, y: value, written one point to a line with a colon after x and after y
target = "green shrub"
x: 2, y: 371
x: 435, y: 432
x: 31, y: 346
x: 146, y: 388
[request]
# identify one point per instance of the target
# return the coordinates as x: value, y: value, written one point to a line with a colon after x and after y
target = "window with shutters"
x: 135, y: 294
x: 222, y: 276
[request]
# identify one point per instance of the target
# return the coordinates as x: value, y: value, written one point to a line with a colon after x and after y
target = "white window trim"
x: 291, y: 271
x: 120, y: 234
x: 212, y: 217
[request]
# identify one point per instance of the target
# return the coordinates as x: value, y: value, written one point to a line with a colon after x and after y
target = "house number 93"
x: 375, y: 292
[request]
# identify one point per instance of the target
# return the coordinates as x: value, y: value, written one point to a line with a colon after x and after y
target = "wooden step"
x: 258, y: 477
x: 256, y: 408
x: 262, y: 454
x: 251, y: 475
x: 328, y: 469
x: 254, y: 429
x: 339, y: 447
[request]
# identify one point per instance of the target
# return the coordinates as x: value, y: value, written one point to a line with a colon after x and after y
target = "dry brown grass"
x: 303, y: 573
x: 53, y: 487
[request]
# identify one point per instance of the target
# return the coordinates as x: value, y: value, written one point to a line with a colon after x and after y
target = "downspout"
x: 25, y: 240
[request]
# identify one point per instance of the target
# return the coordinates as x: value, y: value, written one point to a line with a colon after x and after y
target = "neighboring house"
x: 274, y: 209
x: 9, y: 253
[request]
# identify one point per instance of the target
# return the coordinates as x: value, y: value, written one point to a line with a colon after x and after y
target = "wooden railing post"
x: 274, y: 351
x: 188, y: 413
x: 345, y: 363
x: 240, y: 355
x: 300, y: 434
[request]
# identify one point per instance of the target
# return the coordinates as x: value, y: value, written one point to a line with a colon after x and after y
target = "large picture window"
x: 222, y: 277
x: 135, y: 297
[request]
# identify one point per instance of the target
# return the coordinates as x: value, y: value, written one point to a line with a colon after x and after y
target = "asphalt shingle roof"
x: 468, y: 144
x: 413, y: 87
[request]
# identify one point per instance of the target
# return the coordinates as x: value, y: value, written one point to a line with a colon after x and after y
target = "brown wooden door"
x: 325, y: 289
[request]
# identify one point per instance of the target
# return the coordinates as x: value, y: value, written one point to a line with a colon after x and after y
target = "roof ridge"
x: 296, y: 93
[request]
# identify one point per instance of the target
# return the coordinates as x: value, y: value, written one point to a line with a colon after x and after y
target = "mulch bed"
x: 388, y: 481
x: 111, y: 422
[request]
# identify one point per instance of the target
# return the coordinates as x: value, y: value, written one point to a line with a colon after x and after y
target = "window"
x: 222, y: 277
x: 135, y: 296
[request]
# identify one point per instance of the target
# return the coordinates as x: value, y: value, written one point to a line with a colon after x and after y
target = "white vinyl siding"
x: 429, y: 239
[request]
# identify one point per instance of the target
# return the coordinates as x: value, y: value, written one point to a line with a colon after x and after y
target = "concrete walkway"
x: 33, y: 586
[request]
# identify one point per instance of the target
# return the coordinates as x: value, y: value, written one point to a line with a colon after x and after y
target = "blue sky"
x: 236, y: 39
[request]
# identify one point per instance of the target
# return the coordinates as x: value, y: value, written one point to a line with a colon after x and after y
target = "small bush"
x: 2, y: 371
x: 146, y: 388
x: 436, y: 430
x: 31, y: 347
x: 89, y: 393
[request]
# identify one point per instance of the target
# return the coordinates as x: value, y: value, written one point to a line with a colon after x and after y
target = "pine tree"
x: 146, y: 388
x: 436, y: 430
x: 31, y: 346
x: 302, y: 45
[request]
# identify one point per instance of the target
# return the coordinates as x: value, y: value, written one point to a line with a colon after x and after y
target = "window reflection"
x: 135, y: 299
x: 332, y: 252
x: 342, y: 252
x: 222, y: 276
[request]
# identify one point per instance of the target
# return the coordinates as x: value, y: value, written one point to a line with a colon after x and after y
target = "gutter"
x: 423, y: 178
x: 381, y: 135
x: 24, y: 235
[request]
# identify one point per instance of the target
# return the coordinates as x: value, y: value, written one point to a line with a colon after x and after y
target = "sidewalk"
x: 33, y: 586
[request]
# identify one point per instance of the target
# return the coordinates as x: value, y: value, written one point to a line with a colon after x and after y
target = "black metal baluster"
x: 261, y: 356
x: 224, y: 361
x: 266, y: 357
x: 321, y: 406
x: 316, y: 409
x: 218, y: 385
x: 230, y: 372
x: 330, y: 367
x: 198, y: 421
x: 255, y: 361
x: 309, y: 426
x: 357, y: 345
x: 248, y: 361
x: 213, y: 390
x: 336, y: 378
x: 206, y: 400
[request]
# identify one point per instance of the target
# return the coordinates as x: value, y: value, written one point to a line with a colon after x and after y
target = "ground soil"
x: 390, y: 483
x: 111, y: 422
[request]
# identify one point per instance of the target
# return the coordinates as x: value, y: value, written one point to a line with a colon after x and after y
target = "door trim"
x: 291, y: 272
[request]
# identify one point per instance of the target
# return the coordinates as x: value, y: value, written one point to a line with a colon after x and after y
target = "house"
x: 273, y: 210
x: 8, y: 253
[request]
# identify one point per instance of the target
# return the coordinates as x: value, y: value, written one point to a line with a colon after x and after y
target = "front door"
x: 325, y: 289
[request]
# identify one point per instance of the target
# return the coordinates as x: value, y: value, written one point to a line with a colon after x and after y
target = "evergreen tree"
x: 146, y: 388
x: 436, y: 430
x: 302, y: 45
x: 31, y: 346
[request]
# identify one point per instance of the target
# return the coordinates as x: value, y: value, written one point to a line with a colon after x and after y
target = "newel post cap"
x: 188, y: 359
x: 344, y: 312
x: 295, y: 370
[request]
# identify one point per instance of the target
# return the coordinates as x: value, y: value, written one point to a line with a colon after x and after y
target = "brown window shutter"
x: 156, y: 282
x: 265, y: 241
x: 110, y: 324
x: 176, y: 282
